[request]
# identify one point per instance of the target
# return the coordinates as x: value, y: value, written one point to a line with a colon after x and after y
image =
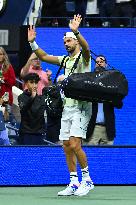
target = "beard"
x: 99, y: 69
x: 70, y: 49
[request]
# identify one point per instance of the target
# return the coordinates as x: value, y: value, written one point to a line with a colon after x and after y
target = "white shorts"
x: 74, y: 121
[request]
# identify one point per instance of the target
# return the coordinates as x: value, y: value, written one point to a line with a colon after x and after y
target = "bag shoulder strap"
x: 73, y: 68
x: 75, y: 64
x: 61, y: 65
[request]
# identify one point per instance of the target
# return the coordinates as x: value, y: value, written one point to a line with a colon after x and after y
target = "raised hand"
x: 31, y: 33
x: 48, y: 72
x: 33, y: 92
x: 75, y: 22
x: 32, y: 56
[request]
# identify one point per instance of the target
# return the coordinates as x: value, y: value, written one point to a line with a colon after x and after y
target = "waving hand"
x: 31, y: 34
x: 75, y: 22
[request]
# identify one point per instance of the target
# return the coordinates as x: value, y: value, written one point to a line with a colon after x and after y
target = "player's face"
x: 70, y: 44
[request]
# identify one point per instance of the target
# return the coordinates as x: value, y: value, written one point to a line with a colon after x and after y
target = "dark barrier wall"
x: 47, y: 166
x: 14, y: 40
x: 10, y: 37
x: 119, y: 46
x: 15, y: 12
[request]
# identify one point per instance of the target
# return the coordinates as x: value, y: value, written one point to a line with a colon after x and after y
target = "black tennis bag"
x: 54, y: 103
x: 104, y: 86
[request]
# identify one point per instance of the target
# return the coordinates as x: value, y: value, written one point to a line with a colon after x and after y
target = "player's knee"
x: 66, y: 146
x: 74, y: 146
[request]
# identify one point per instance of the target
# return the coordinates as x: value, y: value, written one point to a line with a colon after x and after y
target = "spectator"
x: 33, y: 65
x: 106, y: 9
x: 80, y: 8
x: 7, y: 78
x: 53, y: 129
x: 123, y: 8
x: 134, y: 7
x: 101, y: 129
x: 4, y: 140
x: 32, y: 107
x: 51, y: 10
x: 54, y: 122
x: 76, y: 114
x: 117, y: 9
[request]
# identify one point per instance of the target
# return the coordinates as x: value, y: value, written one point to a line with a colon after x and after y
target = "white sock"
x: 85, y: 174
x: 74, y: 178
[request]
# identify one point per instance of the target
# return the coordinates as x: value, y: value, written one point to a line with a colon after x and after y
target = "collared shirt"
x: 81, y: 68
x: 100, y: 114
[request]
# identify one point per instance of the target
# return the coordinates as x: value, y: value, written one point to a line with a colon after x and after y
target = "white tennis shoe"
x: 69, y: 190
x: 84, y: 188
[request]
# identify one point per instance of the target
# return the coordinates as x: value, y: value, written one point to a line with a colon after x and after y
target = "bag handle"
x: 61, y: 65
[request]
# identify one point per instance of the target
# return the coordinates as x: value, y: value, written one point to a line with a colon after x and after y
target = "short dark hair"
x: 100, y: 55
x: 31, y: 76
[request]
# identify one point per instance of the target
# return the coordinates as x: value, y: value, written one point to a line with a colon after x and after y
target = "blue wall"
x: 119, y: 46
x: 47, y: 165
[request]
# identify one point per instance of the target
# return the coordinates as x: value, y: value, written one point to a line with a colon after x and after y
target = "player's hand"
x: 75, y: 22
x: 32, y: 56
x: 49, y: 73
x: 31, y: 34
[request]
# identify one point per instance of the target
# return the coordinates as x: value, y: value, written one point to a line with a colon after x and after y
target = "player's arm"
x: 74, y: 25
x: 42, y: 55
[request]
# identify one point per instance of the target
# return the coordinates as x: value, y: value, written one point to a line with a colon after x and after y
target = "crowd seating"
x: 31, y: 13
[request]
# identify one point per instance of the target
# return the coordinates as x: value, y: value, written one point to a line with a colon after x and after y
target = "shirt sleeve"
x: 60, y: 59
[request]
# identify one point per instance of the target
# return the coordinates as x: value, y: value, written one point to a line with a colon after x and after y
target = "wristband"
x: 34, y: 46
x: 77, y: 33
